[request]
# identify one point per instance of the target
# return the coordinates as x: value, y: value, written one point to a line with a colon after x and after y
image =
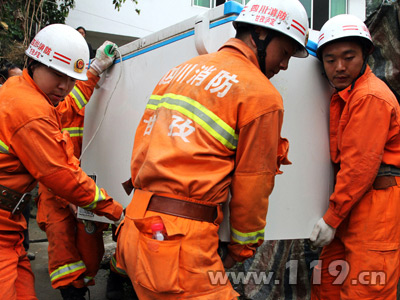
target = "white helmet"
x: 343, y: 26
x: 286, y: 16
x: 62, y: 48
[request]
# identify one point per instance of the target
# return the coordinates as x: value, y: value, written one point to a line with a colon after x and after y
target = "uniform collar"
x: 347, y: 92
x: 237, y: 45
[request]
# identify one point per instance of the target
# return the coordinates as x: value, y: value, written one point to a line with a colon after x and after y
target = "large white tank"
x: 301, y: 194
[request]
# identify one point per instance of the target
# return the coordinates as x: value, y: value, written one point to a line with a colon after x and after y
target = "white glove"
x: 105, y: 56
x: 116, y: 223
x: 322, y: 234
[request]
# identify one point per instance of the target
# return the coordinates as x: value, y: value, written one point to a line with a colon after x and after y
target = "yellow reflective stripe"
x: 67, y: 269
x: 73, y: 131
x: 114, y: 264
x: 247, y: 237
x: 99, y: 196
x: 86, y: 279
x: 4, y: 148
x: 192, y: 109
x: 78, y: 96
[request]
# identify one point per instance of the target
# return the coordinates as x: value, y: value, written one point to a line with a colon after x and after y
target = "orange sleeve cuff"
x: 242, y: 252
x: 282, y: 155
x: 332, y: 219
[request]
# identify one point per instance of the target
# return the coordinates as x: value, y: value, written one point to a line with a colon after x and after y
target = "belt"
x: 388, y: 170
x: 384, y: 182
x: 183, y: 208
x: 13, y: 201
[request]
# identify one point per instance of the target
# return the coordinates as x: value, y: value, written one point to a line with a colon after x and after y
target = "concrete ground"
x: 44, y: 291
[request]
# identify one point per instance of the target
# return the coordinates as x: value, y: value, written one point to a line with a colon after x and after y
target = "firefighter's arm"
x: 362, y: 146
x: 256, y: 165
x: 48, y: 156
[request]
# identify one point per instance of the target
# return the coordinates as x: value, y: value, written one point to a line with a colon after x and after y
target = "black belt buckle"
x: 25, y: 198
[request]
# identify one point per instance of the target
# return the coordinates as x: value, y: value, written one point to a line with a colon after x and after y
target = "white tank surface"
x: 301, y: 194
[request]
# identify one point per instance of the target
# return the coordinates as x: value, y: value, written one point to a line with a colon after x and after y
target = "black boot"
x: 73, y: 293
x: 115, y: 286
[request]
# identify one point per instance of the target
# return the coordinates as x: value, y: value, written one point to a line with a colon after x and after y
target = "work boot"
x: 115, y: 286
x: 73, y: 293
x: 31, y: 255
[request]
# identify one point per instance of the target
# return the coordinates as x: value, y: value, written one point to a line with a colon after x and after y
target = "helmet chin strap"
x: 364, y: 66
x: 261, y: 47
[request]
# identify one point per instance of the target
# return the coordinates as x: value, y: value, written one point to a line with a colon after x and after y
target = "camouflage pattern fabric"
x: 280, y: 270
x: 372, y: 6
x: 383, y: 21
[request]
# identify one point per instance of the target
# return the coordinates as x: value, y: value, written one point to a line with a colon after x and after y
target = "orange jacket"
x: 72, y: 114
x: 213, y: 125
x: 364, y: 133
x: 72, y: 110
x: 33, y: 148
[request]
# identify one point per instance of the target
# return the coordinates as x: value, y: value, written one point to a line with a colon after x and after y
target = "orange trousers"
x: 362, y: 262
x: 16, y: 276
x: 176, y: 268
x: 74, y: 255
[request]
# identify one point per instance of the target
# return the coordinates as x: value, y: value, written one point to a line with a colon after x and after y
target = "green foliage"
x: 20, y: 20
x: 11, y: 14
x: 56, y: 13
x: 118, y: 4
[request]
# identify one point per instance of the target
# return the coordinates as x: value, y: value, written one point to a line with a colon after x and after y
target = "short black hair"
x: 242, y: 29
x: 5, y: 67
x: 31, y: 65
x: 81, y: 27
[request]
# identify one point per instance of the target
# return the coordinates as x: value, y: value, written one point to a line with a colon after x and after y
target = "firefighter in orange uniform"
x: 211, y: 125
x: 74, y: 254
x: 360, y: 231
x: 33, y: 148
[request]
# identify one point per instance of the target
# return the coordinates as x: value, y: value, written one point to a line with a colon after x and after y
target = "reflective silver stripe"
x: 199, y: 114
x: 74, y: 131
x: 114, y: 264
x: 388, y: 170
x: 78, y: 96
x: 86, y: 279
x: 248, y: 237
x: 3, y: 148
x: 99, y: 196
x: 67, y: 269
